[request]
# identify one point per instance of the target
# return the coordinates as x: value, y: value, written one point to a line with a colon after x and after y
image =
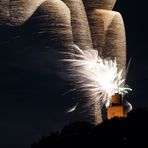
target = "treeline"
x: 116, y: 132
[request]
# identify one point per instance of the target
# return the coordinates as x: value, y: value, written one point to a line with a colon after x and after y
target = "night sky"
x: 30, y: 111
x: 135, y: 16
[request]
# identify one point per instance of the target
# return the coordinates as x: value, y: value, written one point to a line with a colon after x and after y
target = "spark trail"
x: 95, y: 77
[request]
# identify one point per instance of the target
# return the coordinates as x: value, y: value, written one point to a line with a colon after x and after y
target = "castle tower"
x: 117, y: 108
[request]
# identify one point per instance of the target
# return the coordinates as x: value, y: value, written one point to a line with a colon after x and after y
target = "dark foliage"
x: 116, y: 132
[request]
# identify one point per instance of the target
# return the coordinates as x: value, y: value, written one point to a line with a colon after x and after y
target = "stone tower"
x: 116, y: 109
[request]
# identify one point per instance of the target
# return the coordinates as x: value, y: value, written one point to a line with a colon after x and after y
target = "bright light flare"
x: 95, y: 77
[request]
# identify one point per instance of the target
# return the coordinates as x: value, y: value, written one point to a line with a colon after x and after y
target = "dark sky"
x: 135, y: 16
x: 29, y: 111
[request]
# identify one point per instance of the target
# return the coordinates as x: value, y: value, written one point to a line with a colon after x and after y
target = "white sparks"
x: 97, y: 78
x: 73, y: 108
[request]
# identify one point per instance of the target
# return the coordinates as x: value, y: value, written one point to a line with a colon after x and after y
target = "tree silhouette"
x: 115, y: 132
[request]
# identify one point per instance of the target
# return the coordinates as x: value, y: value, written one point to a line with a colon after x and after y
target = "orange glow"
x: 115, y: 111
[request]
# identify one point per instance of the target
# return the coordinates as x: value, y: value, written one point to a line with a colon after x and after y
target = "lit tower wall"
x: 116, y: 109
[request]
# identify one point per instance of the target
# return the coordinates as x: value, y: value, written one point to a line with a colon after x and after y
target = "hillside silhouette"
x: 115, y: 132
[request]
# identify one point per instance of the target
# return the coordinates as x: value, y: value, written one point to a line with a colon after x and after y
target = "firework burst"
x: 95, y: 77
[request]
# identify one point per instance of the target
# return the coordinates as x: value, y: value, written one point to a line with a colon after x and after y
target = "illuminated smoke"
x: 98, y: 79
